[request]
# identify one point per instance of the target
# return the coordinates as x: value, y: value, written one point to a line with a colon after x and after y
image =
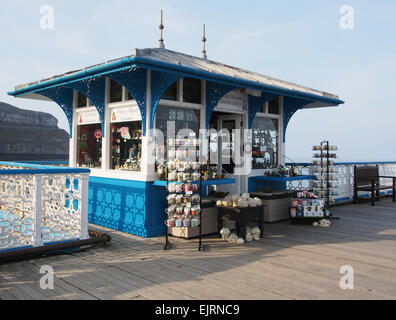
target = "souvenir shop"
x: 220, y: 126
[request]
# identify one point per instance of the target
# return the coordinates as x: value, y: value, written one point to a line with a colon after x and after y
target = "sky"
x: 297, y: 41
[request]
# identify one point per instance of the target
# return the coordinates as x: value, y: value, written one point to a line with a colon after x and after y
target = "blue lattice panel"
x: 134, y: 207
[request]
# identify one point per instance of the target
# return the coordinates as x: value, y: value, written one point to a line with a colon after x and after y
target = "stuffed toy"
x: 240, y: 241
x: 225, y: 233
x: 256, y: 233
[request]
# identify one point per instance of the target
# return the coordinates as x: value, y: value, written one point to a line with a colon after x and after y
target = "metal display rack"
x: 325, y: 171
x: 187, y: 190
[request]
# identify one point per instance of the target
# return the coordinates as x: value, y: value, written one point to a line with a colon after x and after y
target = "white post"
x: 37, y: 196
x: 84, y: 207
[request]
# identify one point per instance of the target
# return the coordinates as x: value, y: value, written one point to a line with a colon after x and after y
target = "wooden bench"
x: 367, y: 179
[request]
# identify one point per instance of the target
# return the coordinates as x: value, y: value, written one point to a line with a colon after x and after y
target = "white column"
x: 84, y: 207
x: 106, y: 140
x: 74, y: 140
x: 204, y: 136
x: 37, y: 196
x: 282, y: 145
x: 148, y: 147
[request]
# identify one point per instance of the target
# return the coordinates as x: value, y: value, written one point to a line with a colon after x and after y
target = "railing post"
x: 84, y: 206
x: 37, y: 196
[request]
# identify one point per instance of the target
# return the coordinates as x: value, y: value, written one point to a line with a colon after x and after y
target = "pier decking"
x: 291, y: 262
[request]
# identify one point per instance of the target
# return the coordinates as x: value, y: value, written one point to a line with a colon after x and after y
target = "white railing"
x: 345, y: 177
x: 42, y: 205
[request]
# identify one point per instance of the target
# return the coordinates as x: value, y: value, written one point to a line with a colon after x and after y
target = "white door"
x: 230, y: 146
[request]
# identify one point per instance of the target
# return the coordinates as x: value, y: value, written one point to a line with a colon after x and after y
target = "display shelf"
x: 160, y: 183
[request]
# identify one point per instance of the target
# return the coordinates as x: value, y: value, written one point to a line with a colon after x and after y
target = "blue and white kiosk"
x: 113, y: 107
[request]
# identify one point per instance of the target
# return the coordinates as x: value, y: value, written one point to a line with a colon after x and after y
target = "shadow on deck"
x: 291, y: 262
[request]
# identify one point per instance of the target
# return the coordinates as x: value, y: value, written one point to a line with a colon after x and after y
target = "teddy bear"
x: 249, y: 235
x: 256, y: 233
x: 225, y: 233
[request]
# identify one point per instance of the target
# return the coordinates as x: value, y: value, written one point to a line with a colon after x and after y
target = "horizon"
x: 303, y: 43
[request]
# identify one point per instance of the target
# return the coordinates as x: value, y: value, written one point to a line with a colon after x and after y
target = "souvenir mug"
x: 186, y: 223
x: 186, y: 200
x: 186, y: 176
x: 171, y: 210
x: 179, y: 188
x: 171, y: 223
x: 179, y: 199
x: 172, y: 176
x: 195, y: 199
x: 172, y: 187
x: 187, y: 210
x: 195, y: 210
x: 195, y: 188
x: 179, y: 223
x: 195, y: 222
x: 179, y: 210
x: 180, y: 176
x: 195, y: 176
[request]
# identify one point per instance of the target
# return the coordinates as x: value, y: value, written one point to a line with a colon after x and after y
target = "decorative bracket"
x: 214, y: 93
x: 256, y: 103
x: 160, y: 82
x: 290, y: 107
x: 95, y: 90
x: 135, y: 81
x: 64, y: 98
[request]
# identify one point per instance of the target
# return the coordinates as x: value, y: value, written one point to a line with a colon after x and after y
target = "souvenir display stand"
x: 184, y: 200
x: 325, y: 172
x: 307, y: 208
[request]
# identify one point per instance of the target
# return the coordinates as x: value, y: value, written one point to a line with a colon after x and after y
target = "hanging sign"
x: 125, y: 114
x: 90, y: 117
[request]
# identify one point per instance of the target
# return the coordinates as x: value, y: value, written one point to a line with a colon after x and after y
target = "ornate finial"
x: 204, y: 56
x: 161, y: 27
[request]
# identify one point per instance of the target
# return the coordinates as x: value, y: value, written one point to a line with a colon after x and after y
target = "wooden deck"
x: 291, y: 262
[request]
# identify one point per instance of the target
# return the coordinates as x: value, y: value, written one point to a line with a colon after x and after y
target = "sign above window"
x: 125, y: 114
x: 89, y: 117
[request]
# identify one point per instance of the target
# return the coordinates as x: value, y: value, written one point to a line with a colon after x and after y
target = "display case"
x: 265, y: 147
x: 126, y: 146
x: 89, y: 145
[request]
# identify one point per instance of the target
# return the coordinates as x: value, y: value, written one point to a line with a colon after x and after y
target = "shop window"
x: 171, y: 93
x: 192, y: 90
x: 183, y: 125
x: 81, y: 100
x: 265, y: 143
x: 274, y: 106
x: 126, y: 146
x: 89, y: 153
x: 115, y: 91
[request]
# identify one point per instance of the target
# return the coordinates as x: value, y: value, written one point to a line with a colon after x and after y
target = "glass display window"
x: 274, y: 106
x: 115, y: 91
x: 171, y: 93
x: 126, y: 146
x: 82, y: 101
x: 177, y: 125
x: 89, y: 144
x: 265, y: 143
x: 192, y: 90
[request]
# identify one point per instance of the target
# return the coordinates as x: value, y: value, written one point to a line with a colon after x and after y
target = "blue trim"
x: 169, y: 67
x: 214, y: 93
x: 64, y: 98
x: 95, y: 90
x: 135, y: 81
x: 160, y: 82
x: 255, y: 104
x: 42, y: 171
x: 15, y: 249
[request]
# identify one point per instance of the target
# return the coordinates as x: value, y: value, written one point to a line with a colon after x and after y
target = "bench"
x: 367, y: 178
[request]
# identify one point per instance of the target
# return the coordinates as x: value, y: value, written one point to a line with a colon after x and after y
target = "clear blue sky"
x: 298, y: 41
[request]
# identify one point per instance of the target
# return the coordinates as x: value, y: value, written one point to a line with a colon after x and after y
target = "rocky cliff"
x: 31, y: 135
